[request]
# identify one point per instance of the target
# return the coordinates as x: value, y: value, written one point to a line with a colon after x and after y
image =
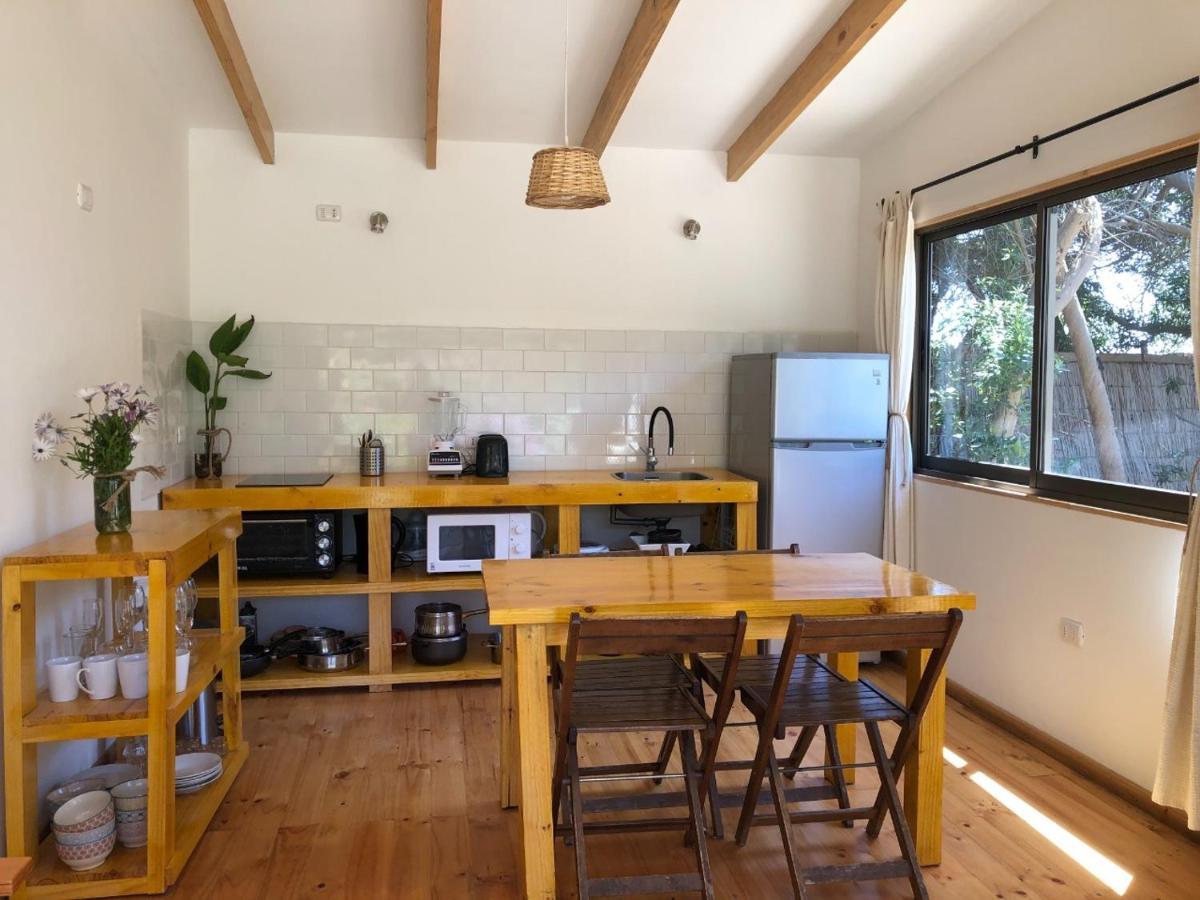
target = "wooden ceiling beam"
x: 840, y: 44
x: 433, y: 72
x: 215, y: 16
x: 643, y: 38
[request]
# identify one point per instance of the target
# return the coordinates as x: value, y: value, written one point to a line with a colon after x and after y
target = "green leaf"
x: 198, y: 375
x: 231, y: 360
x: 249, y: 373
x: 240, y: 334
x: 219, y: 403
x: 222, y: 339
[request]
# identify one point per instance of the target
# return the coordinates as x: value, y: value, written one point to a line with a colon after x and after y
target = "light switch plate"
x: 84, y: 197
x: 329, y: 212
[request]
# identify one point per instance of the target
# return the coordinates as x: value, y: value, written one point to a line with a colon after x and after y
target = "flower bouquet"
x: 101, y: 446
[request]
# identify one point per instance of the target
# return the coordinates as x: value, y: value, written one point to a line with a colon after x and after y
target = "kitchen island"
x: 560, y: 496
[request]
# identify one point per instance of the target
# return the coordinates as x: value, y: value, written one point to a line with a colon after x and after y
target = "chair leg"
x: 757, y: 772
x: 800, y: 749
x: 664, y: 756
x: 839, y: 774
x: 892, y: 798
x: 714, y: 800
x: 691, y: 777
x: 897, y: 764
x: 785, y: 823
x: 581, y: 875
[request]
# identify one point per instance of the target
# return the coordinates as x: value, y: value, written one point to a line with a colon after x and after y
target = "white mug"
x: 98, y: 676
x: 60, y: 673
x: 183, y: 662
x: 134, y: 672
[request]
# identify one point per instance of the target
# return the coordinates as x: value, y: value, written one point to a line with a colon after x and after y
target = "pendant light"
x: 566, y: 177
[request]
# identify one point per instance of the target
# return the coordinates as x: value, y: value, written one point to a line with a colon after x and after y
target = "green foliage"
x: 226, y: 339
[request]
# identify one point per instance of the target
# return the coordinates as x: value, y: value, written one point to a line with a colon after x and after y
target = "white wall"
x: 1077, y: 58
x: 72, y: 284
x: 776, y: 251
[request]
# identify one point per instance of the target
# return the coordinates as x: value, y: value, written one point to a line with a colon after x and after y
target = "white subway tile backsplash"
x: 329, y: 401
x: 564, y: 339
x: 481, y: 338
x: 350, y: 380
x: 327, y: 357
x: 393, y: 380
x: 565, y: 398
x: 394, y: 336
x: 524, y: 339
x: 524, y: 382
x: 500, y: 360
x: 439, y: 338
x: 372, y: 402
x: 350, y: 335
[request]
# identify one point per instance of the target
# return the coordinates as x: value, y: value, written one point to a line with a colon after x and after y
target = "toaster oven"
x: 289, y: 542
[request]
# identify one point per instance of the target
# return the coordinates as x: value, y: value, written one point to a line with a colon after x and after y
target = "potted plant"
x: 101, y: 447
x: 223, y: 345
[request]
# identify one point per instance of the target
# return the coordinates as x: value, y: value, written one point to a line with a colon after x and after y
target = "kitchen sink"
x: 662, y: 476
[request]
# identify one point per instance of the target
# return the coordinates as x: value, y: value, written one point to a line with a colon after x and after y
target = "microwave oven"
x: 291, y: 542
x: 460, y: 541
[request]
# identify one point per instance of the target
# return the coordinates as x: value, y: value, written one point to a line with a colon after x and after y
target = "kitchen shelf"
x: 346, y: 580
x: 285, y: 675
x: 164, y: 547
x: 124, y: 872
x: 118, y: 717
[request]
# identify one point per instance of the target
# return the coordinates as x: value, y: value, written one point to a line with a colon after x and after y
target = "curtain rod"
x: 1037, y: 142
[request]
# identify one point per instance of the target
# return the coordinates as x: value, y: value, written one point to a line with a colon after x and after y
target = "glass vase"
x: 117, y: 517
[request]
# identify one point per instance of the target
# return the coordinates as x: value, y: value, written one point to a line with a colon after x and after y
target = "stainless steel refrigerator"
x: 811, y: 428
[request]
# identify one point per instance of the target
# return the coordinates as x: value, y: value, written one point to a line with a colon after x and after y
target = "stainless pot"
x: 319, y: 639
x: 350, y: 653
x: 441, y: 620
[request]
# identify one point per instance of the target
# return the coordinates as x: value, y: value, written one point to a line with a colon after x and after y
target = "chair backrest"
x: 653, y: 637
x: 912, y: 632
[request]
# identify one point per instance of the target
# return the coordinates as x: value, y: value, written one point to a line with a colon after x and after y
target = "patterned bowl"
x: 67, y: 839
x: 84, y: 813
x: 81, y: 857
x: 132, y: 834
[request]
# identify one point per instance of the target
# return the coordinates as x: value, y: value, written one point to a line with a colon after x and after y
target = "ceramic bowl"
x: 81, y: 857
x: 132, y: 834
x: 70, y: 789
x: 84, y: 813
x: 67, y: 839
x: 130, y: 815
x: 131, y: 795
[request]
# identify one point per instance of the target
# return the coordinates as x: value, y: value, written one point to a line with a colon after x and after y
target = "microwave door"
x: 460, y: 546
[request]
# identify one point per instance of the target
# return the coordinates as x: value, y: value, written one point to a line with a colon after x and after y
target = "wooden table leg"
x: 746, y: 526
x: 923, y: 775
x: 510, y: 753
x: 845, y: 664
x: 379, y: 605
x: 533, y: 714
x: 231, y: 676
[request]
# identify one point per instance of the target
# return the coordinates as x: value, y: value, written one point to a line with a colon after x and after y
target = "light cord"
x: 566, y: 38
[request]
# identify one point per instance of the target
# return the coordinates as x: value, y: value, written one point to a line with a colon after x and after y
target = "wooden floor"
x: 355, y: 795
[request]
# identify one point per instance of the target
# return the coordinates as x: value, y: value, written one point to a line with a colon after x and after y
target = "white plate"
x: 196, y: 765
x: 112, y: 774
x: 198, y: 786
x: 208, y: 776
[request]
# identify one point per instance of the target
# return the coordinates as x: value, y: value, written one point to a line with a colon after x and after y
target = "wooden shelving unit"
x: 347, y: 580
x: 285, y: 675
x: 166, y: 548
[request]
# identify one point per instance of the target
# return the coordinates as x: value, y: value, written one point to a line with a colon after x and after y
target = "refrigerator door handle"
x: 828, y: 445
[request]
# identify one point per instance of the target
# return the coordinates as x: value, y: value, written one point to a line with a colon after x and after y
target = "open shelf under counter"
x: 285, y: 675
x: 117, y: 717
x: 346, y: 580
x: 124, y: 872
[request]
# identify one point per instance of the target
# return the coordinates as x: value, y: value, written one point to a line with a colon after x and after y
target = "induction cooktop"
x: 315, y: 480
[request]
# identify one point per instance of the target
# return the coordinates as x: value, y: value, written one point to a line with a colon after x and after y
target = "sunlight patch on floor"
x: 1096, y: 863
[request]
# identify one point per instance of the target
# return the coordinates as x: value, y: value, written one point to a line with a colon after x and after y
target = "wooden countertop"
x: 419, y: 489
x: 546, y: 591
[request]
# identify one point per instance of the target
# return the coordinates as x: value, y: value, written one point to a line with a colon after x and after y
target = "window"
x: 1055, y: 342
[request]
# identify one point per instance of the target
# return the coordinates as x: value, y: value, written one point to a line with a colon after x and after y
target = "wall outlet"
x: 84, y: 197
x: 329, y: 212
x: 1072, y: 631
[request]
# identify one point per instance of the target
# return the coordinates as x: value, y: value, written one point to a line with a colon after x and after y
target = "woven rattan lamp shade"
x: 566, y: 178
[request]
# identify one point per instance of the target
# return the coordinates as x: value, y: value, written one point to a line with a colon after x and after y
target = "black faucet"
x: 651, y: 459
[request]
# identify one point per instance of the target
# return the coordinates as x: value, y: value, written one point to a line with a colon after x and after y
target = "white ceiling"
x: 356, y: 67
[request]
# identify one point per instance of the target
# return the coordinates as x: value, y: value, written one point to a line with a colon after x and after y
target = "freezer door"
x: 828, y: 497
x: 827, y: 397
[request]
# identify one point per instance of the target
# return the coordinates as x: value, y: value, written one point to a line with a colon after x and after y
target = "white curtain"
x: 895, y: 333
x: 1177, y: 782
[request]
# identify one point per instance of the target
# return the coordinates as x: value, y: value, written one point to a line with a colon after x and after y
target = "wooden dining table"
x: 533, y: 600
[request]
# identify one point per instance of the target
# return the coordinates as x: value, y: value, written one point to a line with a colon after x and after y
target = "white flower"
x: 42, y: 449
x: 87, y: 394
x: 44, y: 426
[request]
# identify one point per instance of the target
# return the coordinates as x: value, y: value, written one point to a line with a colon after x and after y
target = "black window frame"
x: 1036, y: 479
